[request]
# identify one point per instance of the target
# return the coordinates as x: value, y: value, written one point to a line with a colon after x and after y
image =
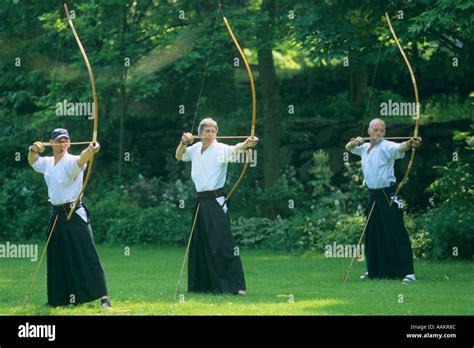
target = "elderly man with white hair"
x: 387, y: 246
x: 214, y: 261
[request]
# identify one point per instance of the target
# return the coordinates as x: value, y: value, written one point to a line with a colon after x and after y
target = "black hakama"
x: 387, y: 245
x: 214, y: 262
x: 75, y: 274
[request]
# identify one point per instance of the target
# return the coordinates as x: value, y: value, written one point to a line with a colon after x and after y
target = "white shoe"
x: 364, y: 276
x: 409, y: 278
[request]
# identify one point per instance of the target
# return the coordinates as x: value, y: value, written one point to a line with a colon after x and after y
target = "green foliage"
x: 21, y: 216
x: 330, y: 106
x: 444, y: 14
x: 353, y: 193
x: 112, y: 217
x: 442, y: 108
x: 287, y: 189
x: 337, y: 107
x: 446, y: 230
x: 328, y: 214
x: 251, y: 232
x: 147, y: 211
x: 323, y: 226
x: 320, y: 174
x: 150, y: 226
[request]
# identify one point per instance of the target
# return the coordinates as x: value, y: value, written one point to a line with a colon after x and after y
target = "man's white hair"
x: 207, y: 122
x: 376, y: 120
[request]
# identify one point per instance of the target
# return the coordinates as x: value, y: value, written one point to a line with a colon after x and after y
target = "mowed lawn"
x: 144, y: 283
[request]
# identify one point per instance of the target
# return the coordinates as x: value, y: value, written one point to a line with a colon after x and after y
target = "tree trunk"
x: 358, y: 81
x: 271, y: 101
x: 123, y: 96
x: 123, y: 122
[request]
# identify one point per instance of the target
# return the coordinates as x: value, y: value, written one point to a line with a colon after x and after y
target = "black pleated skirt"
x: 214, y: 260
x: 75, y: 274
x: 387, y: 245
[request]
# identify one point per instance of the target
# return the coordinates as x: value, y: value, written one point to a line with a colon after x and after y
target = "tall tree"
x: 271, y: 100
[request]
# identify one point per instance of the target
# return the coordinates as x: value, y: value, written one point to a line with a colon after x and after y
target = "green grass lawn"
x: 277, y: 284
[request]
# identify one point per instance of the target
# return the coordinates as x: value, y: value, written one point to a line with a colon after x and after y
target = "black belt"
x: 210, y: 194
x: 66, y: 207
x: 392, y: 185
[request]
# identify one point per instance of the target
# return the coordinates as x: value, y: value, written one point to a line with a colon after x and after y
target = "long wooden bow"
x: 94, y: 138
x: 254, y: 103
x: 247, y: 162
x: 417, y: 99
x: 96, y: 110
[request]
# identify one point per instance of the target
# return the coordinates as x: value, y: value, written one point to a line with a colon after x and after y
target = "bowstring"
x: 53, y: 80
x: 371, y: 91
x: 364, y: 122
x: 205, y: 73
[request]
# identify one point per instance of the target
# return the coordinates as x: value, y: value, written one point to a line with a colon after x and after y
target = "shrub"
x: 446, y: 230
x: 23, y: 212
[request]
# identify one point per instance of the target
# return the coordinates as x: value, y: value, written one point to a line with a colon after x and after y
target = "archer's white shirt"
x: 377, y: 166
x: 64, y: 179
x: 209, y: 169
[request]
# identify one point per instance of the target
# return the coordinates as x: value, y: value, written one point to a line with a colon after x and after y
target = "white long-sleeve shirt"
x: 377, y: 166
x: 64, y: 180
x: 209, y: 169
